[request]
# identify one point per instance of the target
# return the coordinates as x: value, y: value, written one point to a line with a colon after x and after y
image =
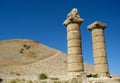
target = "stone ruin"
x: 75, y: 59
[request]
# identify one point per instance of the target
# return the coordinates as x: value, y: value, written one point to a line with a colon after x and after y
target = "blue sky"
x: 42, y: 21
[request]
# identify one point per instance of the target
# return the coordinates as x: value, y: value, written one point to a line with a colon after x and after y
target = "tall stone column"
x: 99, y: 49
x: 75, y: 60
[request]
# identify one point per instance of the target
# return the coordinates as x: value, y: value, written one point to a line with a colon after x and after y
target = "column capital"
x: 97, y: 24
x: 73, y: 17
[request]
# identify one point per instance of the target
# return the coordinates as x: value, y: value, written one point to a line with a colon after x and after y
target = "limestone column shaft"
x: 99, y: 49
x: 75, y: 60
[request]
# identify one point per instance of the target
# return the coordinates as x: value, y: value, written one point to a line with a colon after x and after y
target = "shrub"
x: 65, y: 61
x: 22, y: 50
x: 90, y: 75
x: 26, y: 46
x: 42, y: 76
x: 95, y: 75
x: 1, y: 80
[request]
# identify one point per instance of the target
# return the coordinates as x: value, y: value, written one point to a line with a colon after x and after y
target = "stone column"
x: 75, y: 60
x: 99, y: 49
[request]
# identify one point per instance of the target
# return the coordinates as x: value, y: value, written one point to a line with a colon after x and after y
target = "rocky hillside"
x: 28, y: 59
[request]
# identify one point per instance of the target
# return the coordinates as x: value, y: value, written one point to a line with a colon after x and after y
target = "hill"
x: 28, y: 59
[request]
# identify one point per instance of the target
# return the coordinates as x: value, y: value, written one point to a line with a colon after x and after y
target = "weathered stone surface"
x: 99, y: 51
x: 97, y: 32
x: 97, y: 25
x: 74, y: 50
x: 97, y: 39
x: 75, y: 60
x: 98, y: 45
x: 74, y: 42
x: 73, y: 17
x: 104, y: 75
x: 101, y: 68
x: 100, y: 60
x: 73, y: 35
x: 73, y: 26
x: 75, y: 67
x: 76, y: 74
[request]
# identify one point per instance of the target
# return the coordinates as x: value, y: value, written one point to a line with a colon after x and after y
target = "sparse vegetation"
x: 89, y: 76
x: 17, y: 80
x: 21, y: 50
x: 95, y: 75
x: 1, y: 80
x: 42, y: 76
x: 26, y: 46
x: 65, y: 61
x: 15, y: 73
x: 54, y: 78
x: 59, y: 62
x: 13, y: 81
x: 57, y: 81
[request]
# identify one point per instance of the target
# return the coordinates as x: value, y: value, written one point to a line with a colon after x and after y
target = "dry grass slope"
x: 26, y: 58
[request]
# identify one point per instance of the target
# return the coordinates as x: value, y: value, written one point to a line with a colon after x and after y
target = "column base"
x: 77, y: 75
x: 103, y: 74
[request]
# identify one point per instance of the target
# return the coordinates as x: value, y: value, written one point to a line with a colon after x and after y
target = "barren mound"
x: 29, y: 58
x: 18, y: 52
